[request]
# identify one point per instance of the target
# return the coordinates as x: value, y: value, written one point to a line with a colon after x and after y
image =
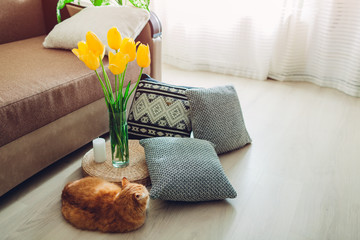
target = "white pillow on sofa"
x: 129, y: 20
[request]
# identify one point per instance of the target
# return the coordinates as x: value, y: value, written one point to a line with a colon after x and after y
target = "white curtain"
x: 288, y: 40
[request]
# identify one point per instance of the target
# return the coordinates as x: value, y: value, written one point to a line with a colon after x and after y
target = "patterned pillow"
x: 185, y: 169
x: 159, y: 110
x: 216, y: 116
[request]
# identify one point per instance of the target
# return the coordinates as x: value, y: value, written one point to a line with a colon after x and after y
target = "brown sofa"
x: 50, y: 103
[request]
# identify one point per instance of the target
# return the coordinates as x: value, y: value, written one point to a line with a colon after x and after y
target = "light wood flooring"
x: 298, y: 180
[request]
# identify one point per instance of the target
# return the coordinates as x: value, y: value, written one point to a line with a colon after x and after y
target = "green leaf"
x: 144, y: 4
x: 127, y: 89
x: 97, y: 2
x: 125, y: 94
x: 100, y: 2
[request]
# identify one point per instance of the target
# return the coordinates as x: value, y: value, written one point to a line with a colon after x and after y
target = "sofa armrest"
x: 156, y: 33
x: 156, y: 27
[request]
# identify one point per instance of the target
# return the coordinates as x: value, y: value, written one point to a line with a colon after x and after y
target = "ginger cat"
x: 95, y: 204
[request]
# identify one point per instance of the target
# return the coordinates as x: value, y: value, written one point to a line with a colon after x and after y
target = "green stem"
x: 107, y: 81
x: 116, y: 93
x: 107, y: 99
x: 117, y: 83
x: 117, y: 87
x: 117, y: 129
x: 137, y: 83
x: 121, y: 86
x: 114, y: 122
x: 119, y: 93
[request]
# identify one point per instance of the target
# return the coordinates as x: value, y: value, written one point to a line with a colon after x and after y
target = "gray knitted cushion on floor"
x: 185, y: 169
x: 216, y: 116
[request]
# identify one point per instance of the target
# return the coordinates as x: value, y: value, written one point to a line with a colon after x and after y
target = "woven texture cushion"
x: 159, y: 110
x: 216, y: 116
x: 185, y: 169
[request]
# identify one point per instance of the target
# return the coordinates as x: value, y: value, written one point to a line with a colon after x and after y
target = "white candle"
x: 99, y: 150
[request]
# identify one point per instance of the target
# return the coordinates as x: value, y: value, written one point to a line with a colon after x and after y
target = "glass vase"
x: 119, y: 139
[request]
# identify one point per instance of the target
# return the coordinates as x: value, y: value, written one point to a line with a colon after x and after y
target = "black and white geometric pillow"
x: 159, y: 110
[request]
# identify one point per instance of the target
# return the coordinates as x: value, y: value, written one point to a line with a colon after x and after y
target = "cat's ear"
x: 138, y: 196
x: 124, y: 182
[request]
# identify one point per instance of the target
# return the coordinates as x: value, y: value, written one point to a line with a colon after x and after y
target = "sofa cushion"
x: 38, y: 86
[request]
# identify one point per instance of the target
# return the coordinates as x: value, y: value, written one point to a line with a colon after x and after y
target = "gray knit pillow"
x: 216, y: 116
x: 185, y: 169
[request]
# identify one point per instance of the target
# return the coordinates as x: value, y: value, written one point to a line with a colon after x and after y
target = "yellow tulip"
x: 91, y: 61
x: 114, y: 38
x: 85, y: 55
x: 128, y: 47
x: 82, y: 49
x: 95, y: 45
x: 143, y: 56
x: 117, y: 62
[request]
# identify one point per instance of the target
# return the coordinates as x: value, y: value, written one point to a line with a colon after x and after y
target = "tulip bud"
x: 95, y: 45
x: 82, y: 49
x: 85, y: 55
x: 117, y: 62
x: 143, y: 56
x: 91, y: 61
x: 128, y: 47
x: 114, y: 38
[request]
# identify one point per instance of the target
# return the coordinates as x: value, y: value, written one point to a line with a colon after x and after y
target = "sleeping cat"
x: 95, y: 204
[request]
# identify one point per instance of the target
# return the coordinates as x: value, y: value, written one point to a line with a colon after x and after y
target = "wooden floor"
x: 298, y: 180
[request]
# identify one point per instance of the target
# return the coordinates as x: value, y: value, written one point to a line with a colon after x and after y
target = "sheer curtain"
x: 288, y: 40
